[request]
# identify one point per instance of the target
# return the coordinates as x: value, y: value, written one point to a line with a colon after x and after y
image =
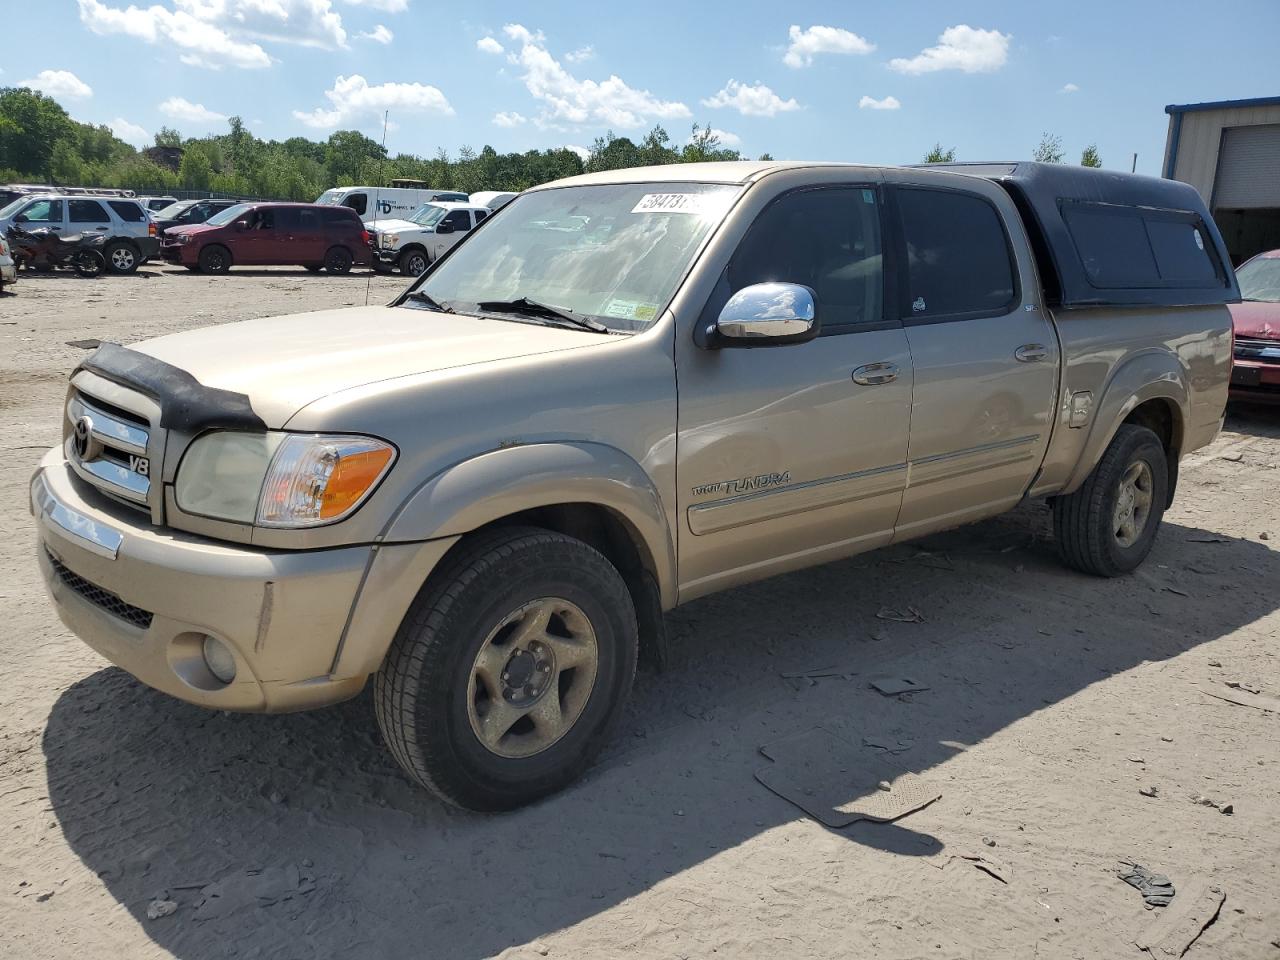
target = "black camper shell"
x: 1108, y: 239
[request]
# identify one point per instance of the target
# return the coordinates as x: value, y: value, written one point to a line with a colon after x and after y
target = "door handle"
x: 873, y: 374
x: 1031, y: 353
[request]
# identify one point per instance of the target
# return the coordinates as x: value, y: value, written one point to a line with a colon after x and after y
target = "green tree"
x: 1049, y: 149
x: 168, y: 137
x: 939, y: 155
x: 704, y: 145
x: 348, y: 152
x: 195, y: 172
x: 35, y: 124
x: 1090, y: 156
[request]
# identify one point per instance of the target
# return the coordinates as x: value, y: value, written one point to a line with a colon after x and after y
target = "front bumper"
x: 305, y: 628
x: 1255, y: 380
x: 149, y: 247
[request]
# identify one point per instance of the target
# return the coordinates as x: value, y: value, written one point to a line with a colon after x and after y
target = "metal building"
x: 1229, y: 150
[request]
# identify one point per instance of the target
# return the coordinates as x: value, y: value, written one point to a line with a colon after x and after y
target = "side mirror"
x: 443, y: 227
x: 242, y: 224
x: 20, y: 218
x: 767, y: 315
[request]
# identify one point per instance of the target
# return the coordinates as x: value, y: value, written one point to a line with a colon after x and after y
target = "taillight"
x: 365, y: 236
x: 151, y: 229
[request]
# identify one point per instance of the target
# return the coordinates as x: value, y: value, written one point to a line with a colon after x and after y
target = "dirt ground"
x: 1053, y: 700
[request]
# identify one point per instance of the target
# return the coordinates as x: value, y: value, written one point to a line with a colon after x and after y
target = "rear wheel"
x: 121, y: 257
x: 413, y: 262
x: 510, y: 670
x: 338, y: 260
x: 215, y: 259
x: 1109, y: 525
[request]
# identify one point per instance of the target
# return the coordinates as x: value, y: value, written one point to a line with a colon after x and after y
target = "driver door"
x: 796, y: 454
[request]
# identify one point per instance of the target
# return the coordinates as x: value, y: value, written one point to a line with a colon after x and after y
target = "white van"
x: 385, y: 203
x: 493, y: 199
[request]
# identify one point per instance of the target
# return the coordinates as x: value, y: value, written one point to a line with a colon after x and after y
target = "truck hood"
x: 1258, y: 319
x: 395, y: 226
x: 284, y: 363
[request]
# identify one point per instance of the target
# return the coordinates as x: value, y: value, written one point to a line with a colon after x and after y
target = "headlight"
x: 390, y: 239
x: 280, y: 479
x: 183, y: 238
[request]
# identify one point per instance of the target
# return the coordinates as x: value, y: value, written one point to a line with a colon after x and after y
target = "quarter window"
x: 958, y: 259
x: 825, y: 239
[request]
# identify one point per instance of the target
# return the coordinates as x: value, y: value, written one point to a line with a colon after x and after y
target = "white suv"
x: 131, y: 234
x: 434, y: 227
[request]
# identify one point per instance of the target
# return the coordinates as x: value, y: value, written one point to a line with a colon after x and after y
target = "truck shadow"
x: 162, y: 799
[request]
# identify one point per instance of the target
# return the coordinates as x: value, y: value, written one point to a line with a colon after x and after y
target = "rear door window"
x: 480, y: 215
x: 86, y: 211
x: 958, y: 260
x: 127, y: 211
x: 308, y: 220
x: 826, y: 239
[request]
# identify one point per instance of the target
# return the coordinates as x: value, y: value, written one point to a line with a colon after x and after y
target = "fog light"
x: 219, y: 659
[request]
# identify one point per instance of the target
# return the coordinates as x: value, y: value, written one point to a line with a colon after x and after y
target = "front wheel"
x: 413, y: 262
x: 214, y: 259
x: 510, y: 670
x: 88, y: 263
x: 1109, y: 525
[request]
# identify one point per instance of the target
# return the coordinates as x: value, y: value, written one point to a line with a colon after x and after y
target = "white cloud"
x: 489, y: 45
x: 582, y: 152
x: 959, y: 48
x: 378, y: 34
x: 218, y: 33
x: 130, y: 132
x: 565, y: 97
x: 199, y: 43
x: 806, y: 43
x: 509, y: 119
x: 871, y: 103
x: 352, y: 98
x: 386, y: 6
x: 726, y: 138
x: 59, y: 83
x: 1069, y: 88
x: 581, y: 55
x: 184, y: 111
x: 751, y: 101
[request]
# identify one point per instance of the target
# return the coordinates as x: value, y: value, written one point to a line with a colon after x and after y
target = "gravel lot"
x: 1054, y: 699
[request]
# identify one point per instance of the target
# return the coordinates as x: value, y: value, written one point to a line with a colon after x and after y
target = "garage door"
x: 1248, y: 168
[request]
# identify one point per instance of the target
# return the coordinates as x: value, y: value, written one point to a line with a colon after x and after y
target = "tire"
x: 89, y: 263
x: 338, y: 260
x: 214, y: 259
x: 121, y: 256
x: 311, y: 267
x: 413, y: 261
x: 433, y: 696
x: 194, y: 268
x: 1089, y: 525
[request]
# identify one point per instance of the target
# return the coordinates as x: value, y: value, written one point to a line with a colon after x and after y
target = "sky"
x: 863, y: 82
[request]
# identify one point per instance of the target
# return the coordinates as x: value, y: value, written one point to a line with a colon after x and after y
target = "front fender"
x: 502, y: 482
x: 1152, y: 375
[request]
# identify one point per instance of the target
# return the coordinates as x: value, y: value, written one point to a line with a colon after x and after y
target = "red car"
x: 1255, y: 375
x: 261, y: 234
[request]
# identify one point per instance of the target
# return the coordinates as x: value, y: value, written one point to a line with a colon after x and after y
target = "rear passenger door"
x: 306, y: 234
x: 983, y: 348
x: 88, y: 217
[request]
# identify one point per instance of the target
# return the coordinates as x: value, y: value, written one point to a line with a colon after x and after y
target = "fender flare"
x: 510, y: 480
x: 1154, y: 374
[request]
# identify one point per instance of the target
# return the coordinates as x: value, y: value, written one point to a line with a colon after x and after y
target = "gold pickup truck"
x: 623, y: 391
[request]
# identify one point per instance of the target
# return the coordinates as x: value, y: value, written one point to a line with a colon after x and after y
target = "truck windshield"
x: 1259, y: 279
x: 223, y: 217
x: 428, y: 215
x: 614, y: 252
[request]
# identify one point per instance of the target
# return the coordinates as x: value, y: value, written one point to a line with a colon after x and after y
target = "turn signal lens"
x: 319, y: 479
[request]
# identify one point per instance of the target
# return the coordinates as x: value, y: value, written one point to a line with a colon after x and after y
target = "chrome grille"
x: 1250, y: 349
x: 111, y: 448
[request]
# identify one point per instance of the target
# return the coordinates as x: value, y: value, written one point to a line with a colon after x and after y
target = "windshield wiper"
x: 430, y: 301
x: 532, y: 308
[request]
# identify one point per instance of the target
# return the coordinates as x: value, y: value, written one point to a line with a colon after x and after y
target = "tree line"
x: 40, y: 142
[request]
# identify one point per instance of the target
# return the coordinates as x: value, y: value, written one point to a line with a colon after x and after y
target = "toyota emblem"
x: 83, y: 437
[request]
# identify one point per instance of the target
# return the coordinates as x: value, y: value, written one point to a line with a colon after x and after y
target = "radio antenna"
x: 377, y: 205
